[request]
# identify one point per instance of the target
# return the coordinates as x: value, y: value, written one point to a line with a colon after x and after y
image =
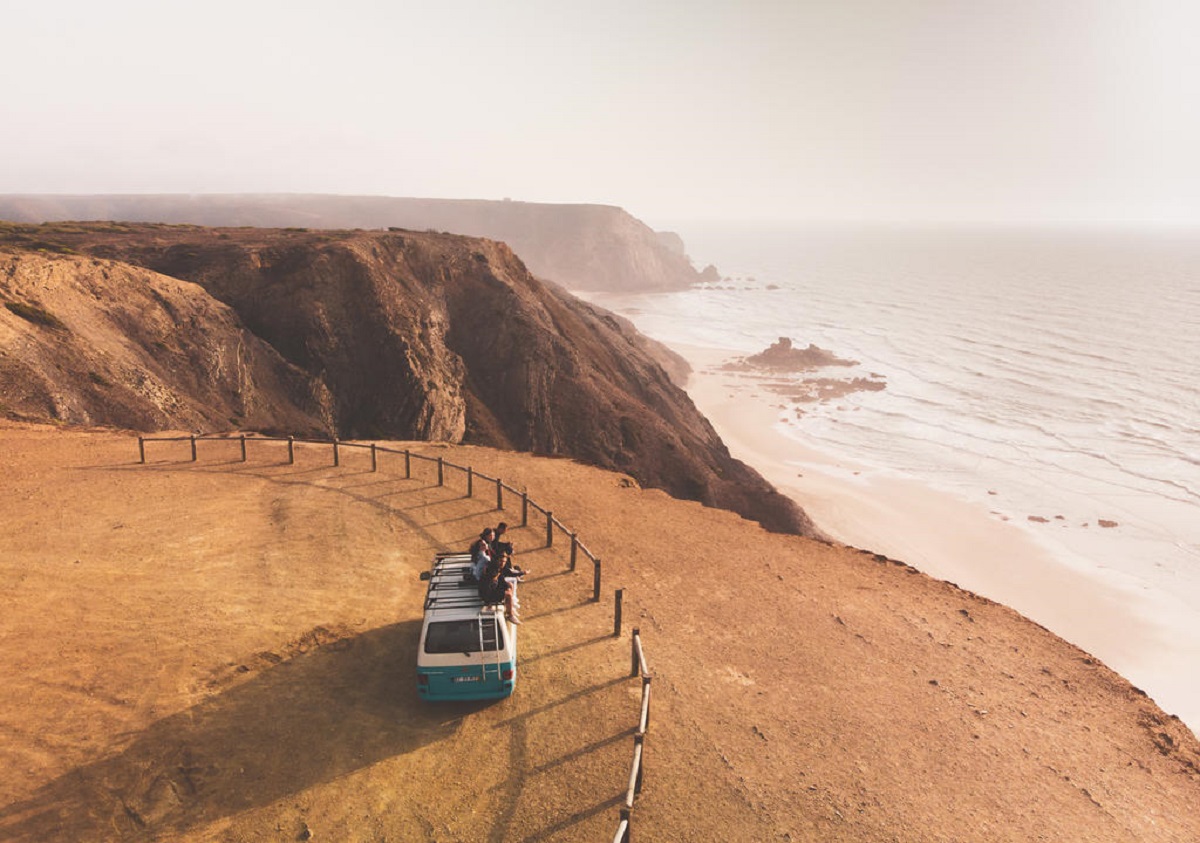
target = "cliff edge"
x: 581, y: 246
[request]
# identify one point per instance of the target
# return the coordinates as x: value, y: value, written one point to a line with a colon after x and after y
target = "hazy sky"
x: 691, y: 109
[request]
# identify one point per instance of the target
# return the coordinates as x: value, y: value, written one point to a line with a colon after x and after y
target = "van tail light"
x: 422, y: 678
x: 506, y: 674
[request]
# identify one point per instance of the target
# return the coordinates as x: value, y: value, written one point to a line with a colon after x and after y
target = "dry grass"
x: 225, y: 651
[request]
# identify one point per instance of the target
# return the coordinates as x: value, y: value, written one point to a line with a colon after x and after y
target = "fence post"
x: 499, y: 494
x: 524, y: 509
x: 633, y: 645
x: 627, y: 819
x: 618, y: 597
x: 141, y: 450
x: 441, y: 471
x: 639, y: 741
x: 193, y: 448
x: 337, y: 459
x: 574, y: 550
x: 407, y: 465
x: 243, y: 438
x: 645, y: 724
x: 374, y: 459
x: 596, y: 583
x: 470, y: 482
x: 635, y: 772
x: 549, y: 529
x: 291, y: 450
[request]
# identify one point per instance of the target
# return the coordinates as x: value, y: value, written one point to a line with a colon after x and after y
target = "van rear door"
x: 465, y: 658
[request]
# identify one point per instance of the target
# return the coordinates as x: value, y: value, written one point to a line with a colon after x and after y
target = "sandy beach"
x: 1134, y: 631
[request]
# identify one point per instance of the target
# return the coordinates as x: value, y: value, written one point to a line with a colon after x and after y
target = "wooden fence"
x: 638, y: 656
x: 472, y: 476
x: 637, y: 769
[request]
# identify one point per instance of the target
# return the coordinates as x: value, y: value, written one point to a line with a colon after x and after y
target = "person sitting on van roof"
x: 500, y: 545
x: 510, y: 573
x: 507, y: 568
x: 481, y: 553
x: 502, y: 548
x: 493, y: 589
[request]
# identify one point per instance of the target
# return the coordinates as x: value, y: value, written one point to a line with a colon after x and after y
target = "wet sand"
x: 1131, y: 630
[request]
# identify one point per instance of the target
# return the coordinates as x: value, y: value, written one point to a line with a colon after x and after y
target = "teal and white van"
x: 467, y: 651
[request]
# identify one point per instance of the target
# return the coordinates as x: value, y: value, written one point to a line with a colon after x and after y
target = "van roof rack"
x: 449, y: 587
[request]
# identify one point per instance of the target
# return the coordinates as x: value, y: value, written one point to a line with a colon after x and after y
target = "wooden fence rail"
x: 622, y: 835
x: 552, y: 523
x: 637, y: 769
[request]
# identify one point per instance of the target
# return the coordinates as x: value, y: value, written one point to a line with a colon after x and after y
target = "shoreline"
x: 952, y: 539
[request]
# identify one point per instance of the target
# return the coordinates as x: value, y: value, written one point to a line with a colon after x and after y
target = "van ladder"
x: 484, y: 640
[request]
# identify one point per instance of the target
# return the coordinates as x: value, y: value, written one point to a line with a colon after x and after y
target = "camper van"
x: 467, y: 651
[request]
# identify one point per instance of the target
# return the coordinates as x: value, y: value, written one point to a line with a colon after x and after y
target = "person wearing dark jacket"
x: 494, y: 589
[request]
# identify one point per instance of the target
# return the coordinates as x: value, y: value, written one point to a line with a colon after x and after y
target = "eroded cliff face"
x: 96, y: 342
x: 581, y: 246
x: 345, y: 310
x: 413, y: 335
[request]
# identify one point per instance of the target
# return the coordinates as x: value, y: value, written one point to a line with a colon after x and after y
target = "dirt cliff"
x: 387, y: 334
x: 100, y: 342
x: 221, y: 651
x: 583, y: 247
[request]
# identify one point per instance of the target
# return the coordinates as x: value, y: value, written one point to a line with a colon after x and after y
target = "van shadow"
x: 305, y: 720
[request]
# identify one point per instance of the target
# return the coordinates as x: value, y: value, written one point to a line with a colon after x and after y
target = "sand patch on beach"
x: 956, y: 540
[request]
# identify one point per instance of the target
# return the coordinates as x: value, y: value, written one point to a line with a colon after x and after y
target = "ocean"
x: 1049, y: 376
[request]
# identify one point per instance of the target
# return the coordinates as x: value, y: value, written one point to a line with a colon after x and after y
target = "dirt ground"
x: 225, y: 651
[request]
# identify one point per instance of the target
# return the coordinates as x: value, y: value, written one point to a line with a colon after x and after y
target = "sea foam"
x: 1050, y: 375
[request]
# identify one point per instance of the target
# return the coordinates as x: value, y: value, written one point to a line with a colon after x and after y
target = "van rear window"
x: 462, y: 636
